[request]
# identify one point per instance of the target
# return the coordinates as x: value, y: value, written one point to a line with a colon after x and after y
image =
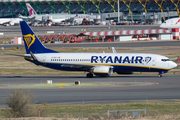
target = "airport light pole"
x: 168, y: 11
x: 118, y: 11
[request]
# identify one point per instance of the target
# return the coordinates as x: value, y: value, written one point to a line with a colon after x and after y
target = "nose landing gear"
x: 161, y: 72
x: 159, y: 75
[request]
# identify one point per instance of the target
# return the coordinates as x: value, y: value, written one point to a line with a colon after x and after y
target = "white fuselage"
x: 57, y: 18
x: 129, y: 61
x: 171, y: 23
x: 10, y: 21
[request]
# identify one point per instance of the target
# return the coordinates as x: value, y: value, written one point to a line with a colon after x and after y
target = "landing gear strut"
x: 89, y: 75
x: 159, y: 75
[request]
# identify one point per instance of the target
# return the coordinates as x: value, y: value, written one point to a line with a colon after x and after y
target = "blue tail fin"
x: 31, y: 42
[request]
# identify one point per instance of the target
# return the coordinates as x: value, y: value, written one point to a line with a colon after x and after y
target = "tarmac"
x: 16, y: 31
x: 164, y: 89
x: 107, y: 44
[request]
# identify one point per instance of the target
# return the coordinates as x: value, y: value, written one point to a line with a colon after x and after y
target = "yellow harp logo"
x: 29, y: 39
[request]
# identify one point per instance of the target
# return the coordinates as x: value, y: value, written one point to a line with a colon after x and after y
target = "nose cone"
x: 173, y: 65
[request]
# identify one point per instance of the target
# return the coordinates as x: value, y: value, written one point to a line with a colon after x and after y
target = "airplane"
x: 56, y: 18
x: 9, y: 21
x: 100, y: 64
x: 171, y: 23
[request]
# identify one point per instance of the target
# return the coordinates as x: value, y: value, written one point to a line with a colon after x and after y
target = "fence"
x: 104, y: 113
x: 135, y: 112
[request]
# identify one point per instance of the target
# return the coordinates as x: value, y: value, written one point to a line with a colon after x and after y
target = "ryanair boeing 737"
x: 101, y: 64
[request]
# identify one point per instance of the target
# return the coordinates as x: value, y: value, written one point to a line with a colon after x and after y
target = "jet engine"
x: 103, y: 71
x: 11, y: 23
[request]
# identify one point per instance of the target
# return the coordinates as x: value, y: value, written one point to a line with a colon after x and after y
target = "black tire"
x: 89, y: 75
x: 159, y: 75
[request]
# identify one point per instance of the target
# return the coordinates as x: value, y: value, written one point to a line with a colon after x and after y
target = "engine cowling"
x: 103, y: 70
x: 11, y: 23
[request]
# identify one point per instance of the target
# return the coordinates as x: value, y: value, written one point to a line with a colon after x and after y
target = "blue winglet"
x: 31, y: 42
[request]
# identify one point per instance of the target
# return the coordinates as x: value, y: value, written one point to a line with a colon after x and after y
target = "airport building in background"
x: 154, y: 11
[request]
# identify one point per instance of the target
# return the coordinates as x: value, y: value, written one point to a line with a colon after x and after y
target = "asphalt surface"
x: 166, y: 89
x: 109, y: 44
x: 16, y: 31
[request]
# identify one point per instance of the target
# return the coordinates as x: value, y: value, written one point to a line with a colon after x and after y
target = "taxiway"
x: 165, y: 89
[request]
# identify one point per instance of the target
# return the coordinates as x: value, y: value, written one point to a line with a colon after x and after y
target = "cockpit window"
x: 165, y: 60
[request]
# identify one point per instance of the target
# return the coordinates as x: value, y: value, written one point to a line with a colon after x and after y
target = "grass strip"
x: 75, y: 111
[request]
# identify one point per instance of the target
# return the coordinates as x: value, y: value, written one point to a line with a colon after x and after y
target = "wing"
x: 31, y: 57
x: 73, y: 65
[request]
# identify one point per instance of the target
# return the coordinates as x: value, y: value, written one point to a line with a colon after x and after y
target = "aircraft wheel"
x: 159, y: 75
x: 89, y: 75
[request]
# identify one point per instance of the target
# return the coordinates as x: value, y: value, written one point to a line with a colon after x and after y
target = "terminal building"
x: 155, y: 11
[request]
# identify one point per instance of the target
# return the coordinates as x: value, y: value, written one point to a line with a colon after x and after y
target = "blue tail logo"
x: 29, y: 39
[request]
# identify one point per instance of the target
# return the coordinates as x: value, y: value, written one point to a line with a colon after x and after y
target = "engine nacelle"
x: 11, y: 23
x: 6, y: 24
x: 103, y: 70
x: 124, y: 72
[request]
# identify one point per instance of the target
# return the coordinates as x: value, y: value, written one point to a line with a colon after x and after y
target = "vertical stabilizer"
x: 31, y: 11
x: 31, y: 42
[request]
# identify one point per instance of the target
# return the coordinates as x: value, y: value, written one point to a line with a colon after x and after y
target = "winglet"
x: 114, y: 50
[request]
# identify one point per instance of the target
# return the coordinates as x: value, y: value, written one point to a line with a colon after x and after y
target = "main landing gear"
x: 89, y: 75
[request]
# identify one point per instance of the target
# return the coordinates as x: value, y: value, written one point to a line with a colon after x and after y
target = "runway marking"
x: 61, y: 87
x: 153, y: 101
x: 98, y: 84
x: 62, y: 84
x: 176, y: 100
